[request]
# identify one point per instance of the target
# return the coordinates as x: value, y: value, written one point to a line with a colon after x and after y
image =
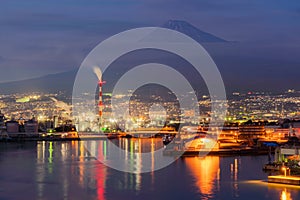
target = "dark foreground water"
x: 66, y: 170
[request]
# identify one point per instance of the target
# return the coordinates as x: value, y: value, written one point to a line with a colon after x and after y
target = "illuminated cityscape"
x: 240, y: 108
x: 149, y: 100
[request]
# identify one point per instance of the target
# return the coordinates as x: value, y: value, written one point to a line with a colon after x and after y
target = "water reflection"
x: 101, y: 172
x: 209, y: 172
x: 133, y: 158
x: 285, y: 195
x: 284, y: 192
x: 133, y: 146
x: 66, y: 170
x: 51, y: 165
x: 234, y: 176
x: 52, y: 155
x: 206, y: 173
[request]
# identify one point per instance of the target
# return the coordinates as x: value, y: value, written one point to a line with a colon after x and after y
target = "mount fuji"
x: 192, y: 31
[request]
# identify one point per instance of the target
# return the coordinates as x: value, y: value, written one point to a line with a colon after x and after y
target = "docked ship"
x: 190, y: 138
x: 194, y: 137
x: 186, y: 133
x: 192, y: 142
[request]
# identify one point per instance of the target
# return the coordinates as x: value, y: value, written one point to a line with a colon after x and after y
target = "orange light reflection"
x: 100, y: 172
x: 285, y: 195
x: 205, y: 170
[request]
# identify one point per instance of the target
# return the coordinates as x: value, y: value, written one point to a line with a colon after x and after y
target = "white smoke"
x: 98, y: 72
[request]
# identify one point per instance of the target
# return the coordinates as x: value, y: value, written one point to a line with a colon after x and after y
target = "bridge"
x: 150, y: 133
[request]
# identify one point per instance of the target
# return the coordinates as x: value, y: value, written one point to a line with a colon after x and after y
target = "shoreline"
x: 167, y: 152
x: 220, y: 152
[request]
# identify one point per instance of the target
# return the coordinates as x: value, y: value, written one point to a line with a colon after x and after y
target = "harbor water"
x: 69, y: 170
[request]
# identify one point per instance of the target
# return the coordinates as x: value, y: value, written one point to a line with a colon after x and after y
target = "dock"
x: 31, y: 136
x: 281, y: 179
x: 217, y: 152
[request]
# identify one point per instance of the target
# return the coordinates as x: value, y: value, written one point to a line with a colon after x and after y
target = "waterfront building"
x: 12, y: 126
x: 31, y: 126
x: 251, y: 131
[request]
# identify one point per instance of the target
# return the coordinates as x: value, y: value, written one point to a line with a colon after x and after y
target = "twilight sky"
x: 42, y: 37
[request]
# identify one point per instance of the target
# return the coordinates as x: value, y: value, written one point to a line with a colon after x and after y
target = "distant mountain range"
x: 190, y: 30
x: 49, y: 83
x: 64, y: 81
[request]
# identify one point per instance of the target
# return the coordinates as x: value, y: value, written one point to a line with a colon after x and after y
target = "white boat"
x: 193, y: 138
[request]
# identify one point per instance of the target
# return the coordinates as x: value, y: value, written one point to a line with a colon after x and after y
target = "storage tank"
x: 12, y: 127
x: 2, y: 121
x: 31, y: 126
